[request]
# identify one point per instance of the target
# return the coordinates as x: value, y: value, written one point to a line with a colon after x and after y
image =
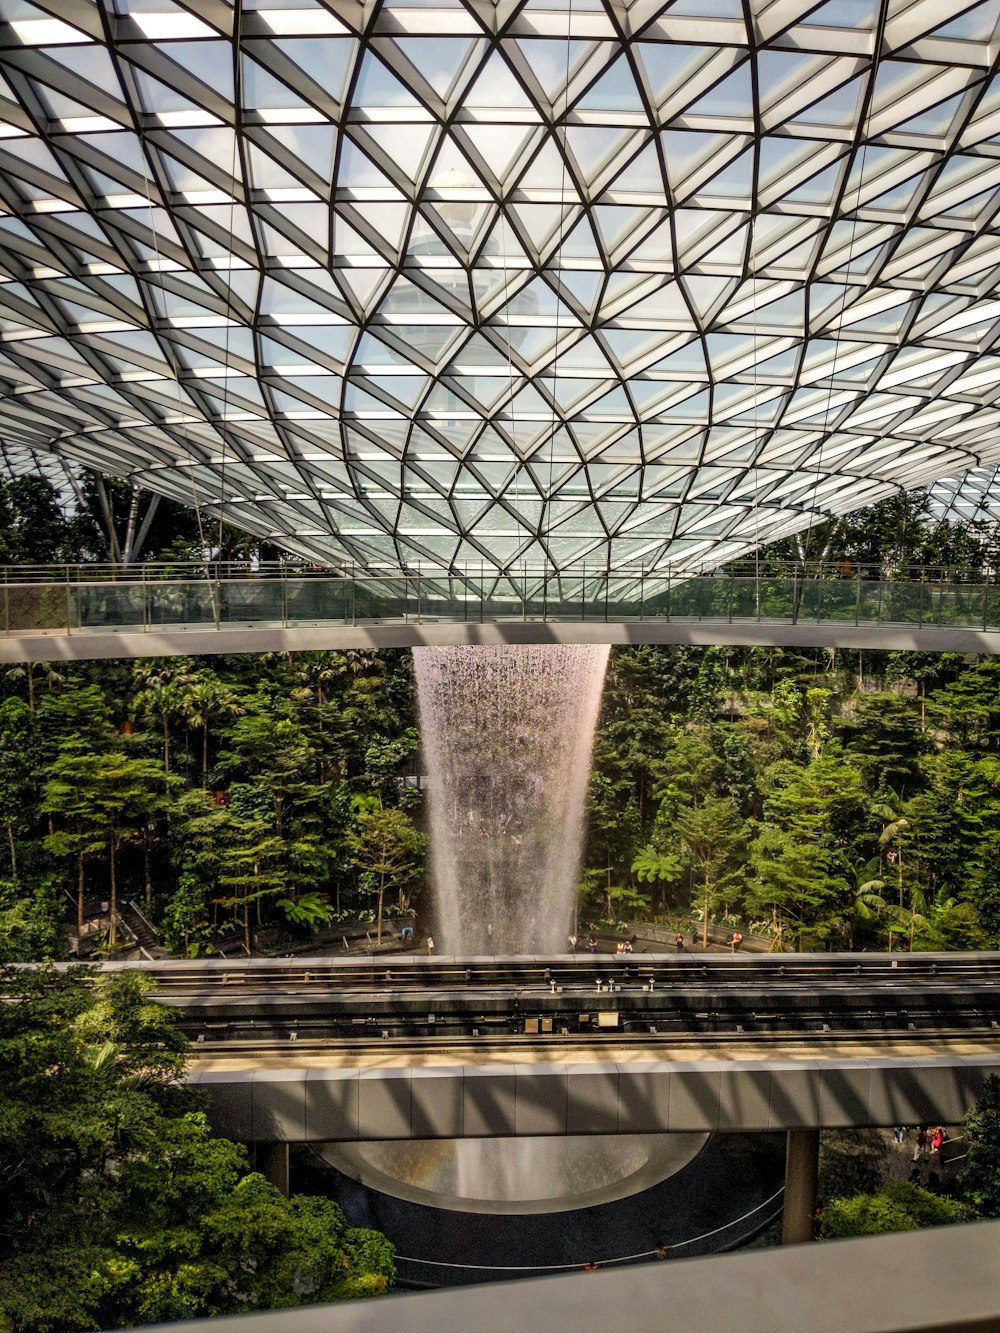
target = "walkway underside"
x: 295, y: 1098
x: 59, y: 645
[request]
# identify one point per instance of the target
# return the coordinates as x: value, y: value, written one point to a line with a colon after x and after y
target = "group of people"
x: 627, y: 946
x: 929, y: 1142
x: 591, y: 945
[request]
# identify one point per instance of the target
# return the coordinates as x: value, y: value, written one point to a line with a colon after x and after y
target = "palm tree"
x: 161, y: 694
x: 892, y: 836
x: 164, y: 702
x: 867, y: 902
x: 27, y: 673
x: 202, y: 699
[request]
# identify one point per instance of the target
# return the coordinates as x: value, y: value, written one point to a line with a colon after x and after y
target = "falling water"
x: 507, y: 734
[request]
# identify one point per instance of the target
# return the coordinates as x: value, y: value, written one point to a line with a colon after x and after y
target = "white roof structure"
x: 519, y: 282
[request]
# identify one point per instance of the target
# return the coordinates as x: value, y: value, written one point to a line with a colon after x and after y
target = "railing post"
x: 857, y: 598
x: 642, y: 594
x: 69, y: 605
x: 283, y: 579
x: 986, y: 600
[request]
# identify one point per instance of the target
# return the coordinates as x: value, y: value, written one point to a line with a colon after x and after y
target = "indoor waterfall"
x: 507, y: 736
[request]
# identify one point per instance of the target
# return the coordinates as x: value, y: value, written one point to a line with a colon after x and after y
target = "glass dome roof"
x: 540, y: 282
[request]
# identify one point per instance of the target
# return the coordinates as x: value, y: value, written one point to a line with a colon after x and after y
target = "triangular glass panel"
x: 732, y: 97
x: 615, y: 90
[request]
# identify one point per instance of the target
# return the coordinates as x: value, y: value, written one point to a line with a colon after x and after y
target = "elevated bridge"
x: 415, y: 1048
x: 61, y: 613
x: 396, y: 1047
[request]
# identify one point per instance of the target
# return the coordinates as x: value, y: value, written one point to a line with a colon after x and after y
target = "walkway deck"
x: 93, y: 612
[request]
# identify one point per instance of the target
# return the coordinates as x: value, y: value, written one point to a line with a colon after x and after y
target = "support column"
x: 272, y: 1162
x: 801, y: 1170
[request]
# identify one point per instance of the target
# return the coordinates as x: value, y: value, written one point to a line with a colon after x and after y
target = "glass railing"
x: 91, y: 599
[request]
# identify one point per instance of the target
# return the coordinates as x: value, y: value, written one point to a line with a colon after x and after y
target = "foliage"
x: 900, y: 1206
x: 121, y: 1207
x: 851, y: 1161
x: 980, y: 1177
x: 388, y: 851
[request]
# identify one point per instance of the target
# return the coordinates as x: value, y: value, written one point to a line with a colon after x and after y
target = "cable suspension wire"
x: 152, y: 289
x: 557, y: 263
x: 865, y: 136
x: 237, y: 117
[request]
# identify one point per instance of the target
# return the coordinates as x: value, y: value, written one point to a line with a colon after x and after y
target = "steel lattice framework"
x: 488, y: 281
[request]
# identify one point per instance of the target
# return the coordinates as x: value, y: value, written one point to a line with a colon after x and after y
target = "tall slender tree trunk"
x: 704, y: 920
x: 246, y: 926
x: 204, y: 754
x: 112, y: 937
x: 31, y: 687
x: 145, y: 857
x: 79, y: 895
x: 13, y: 853
x: 166, y: 745
x: 381, y: 900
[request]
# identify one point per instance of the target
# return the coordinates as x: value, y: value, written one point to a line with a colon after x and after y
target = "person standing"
x: 572, y: 944
x: 592, y: 945
x: 679, y: 942
x: 430, y: 944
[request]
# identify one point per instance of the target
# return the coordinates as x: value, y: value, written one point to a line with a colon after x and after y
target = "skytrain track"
x: 412, y: 998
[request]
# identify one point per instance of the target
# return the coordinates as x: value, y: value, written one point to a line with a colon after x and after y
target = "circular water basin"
x: 514, y: 1175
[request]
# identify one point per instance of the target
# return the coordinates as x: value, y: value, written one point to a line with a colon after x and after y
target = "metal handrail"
x: 285, y: 595
x: 214, y: 570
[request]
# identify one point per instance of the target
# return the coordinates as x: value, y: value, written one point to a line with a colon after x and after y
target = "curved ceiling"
x: 485, y: 281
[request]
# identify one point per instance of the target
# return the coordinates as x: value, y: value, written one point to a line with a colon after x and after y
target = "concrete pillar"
x: 801, y: 1169
x: 272, y: 1162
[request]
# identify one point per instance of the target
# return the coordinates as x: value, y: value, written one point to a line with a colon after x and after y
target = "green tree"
x: 882, y: 735
x: 107, y: 801
x: 120, y: 1206
x: 712, y: 834
x: 389, y: 853
x: 202, y: 699
x: 802, y: 886
x: 979, y: 1180
x: 17, y: 771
